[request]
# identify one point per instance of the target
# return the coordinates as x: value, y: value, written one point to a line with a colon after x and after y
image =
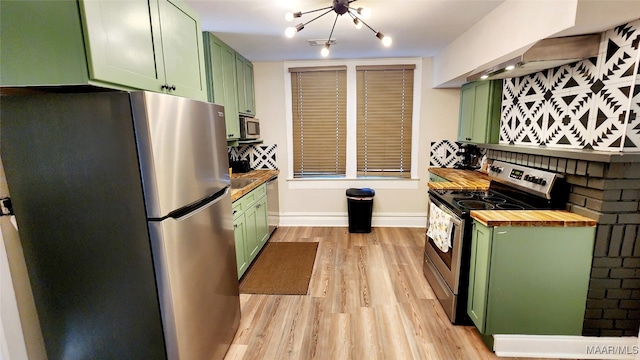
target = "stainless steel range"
x: 448, y: 240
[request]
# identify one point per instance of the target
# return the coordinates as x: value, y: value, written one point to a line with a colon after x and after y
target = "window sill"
x: 342, y: 183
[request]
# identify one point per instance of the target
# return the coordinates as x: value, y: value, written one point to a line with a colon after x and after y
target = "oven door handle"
x: 456, y: 220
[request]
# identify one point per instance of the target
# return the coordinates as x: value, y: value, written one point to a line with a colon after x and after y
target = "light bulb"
x: 357, y: 23
x: 364, y: 12
x: 325, y: 51
x: 288, y: 16
x: 290, y: 32
x: 386, y: 41
x: 510, y: 67
x: 484, y: 77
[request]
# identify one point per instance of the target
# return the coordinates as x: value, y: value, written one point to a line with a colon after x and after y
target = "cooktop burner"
x: 475, y: 204
x: 462, y: 202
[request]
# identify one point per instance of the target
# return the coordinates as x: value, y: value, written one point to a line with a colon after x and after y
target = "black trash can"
x: 360, y: 206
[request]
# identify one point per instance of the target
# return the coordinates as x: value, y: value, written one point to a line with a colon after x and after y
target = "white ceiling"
x: 419, y: 28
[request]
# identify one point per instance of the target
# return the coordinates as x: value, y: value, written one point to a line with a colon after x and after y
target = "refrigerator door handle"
x: 191, y: 209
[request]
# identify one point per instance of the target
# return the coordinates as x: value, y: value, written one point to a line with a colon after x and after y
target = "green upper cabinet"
x: 222, y: 81
x: 41, y: 44
x: 138, y: 44
x: 182, y: 49
x: 480, y: 103
x: 145, y: 44
x: 246, y: 96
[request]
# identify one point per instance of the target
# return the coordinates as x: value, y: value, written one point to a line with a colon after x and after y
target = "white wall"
x: 513, y: 25
x: 328, y: 206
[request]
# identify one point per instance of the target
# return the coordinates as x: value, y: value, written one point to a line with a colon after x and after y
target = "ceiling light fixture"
x: 340, y: 7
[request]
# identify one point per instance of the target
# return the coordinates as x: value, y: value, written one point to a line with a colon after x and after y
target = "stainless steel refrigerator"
x: 124, y: 214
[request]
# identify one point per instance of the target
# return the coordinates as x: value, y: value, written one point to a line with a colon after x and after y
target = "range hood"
x: 544, y: 54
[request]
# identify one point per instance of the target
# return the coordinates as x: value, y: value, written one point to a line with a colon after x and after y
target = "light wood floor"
x: 368, y: 299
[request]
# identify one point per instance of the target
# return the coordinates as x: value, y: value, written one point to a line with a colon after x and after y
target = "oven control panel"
x: 534, y: 181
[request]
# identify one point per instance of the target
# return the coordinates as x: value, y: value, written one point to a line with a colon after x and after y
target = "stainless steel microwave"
x: 249, y: 128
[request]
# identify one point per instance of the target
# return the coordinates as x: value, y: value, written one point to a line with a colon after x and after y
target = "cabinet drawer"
x: 249, y: 199
x: 237, y: 208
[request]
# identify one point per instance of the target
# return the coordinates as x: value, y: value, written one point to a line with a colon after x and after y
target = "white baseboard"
x: 566, y: 347
x: 342, y: 219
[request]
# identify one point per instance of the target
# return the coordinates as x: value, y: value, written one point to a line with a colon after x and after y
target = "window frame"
x: 351, y: 176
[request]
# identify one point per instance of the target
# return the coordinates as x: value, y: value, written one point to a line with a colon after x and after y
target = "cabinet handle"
x: 235, y: 226
x: 258, y: 206
x: 235, y: 211
x: 468, y: 138
x: 172, y: 88
x: 230, y: 135
x: 164, y: 87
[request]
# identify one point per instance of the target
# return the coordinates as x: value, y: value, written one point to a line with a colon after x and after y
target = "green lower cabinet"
x: 262, y: 224
x: 239, y: 232
x: 252, y: 241
x: 529, y: 280
x: 251, y: 228
x: 479, y: 275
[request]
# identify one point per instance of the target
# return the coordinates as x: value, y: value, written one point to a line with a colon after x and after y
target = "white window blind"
x: 319, y: 108
x: 384, y: 117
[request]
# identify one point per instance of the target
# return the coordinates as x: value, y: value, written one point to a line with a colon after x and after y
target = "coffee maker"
x: 469, y: 157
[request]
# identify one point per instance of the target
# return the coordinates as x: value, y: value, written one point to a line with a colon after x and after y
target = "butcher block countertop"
x: 459, y: 179
x: 531, y: 218
x: 262, y: 175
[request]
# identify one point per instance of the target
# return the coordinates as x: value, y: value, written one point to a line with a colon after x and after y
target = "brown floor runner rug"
x: 283, y: 268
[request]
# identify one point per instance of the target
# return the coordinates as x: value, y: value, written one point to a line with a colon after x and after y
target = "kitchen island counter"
x: 549, y: 218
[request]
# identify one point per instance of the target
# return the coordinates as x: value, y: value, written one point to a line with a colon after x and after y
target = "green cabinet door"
x: 250, y: 88
x: 467, y: 107
x: 239, y: 232
x: 41, y: 43
x: 182, y: 50
x: 242, y: 86
x: 480, y: 126
x: 246, y: 97
x: 262, y: 224
x: 480, y: 112
x: 221, y: 76
x: 252, y: 240
x: 230, y: 93
x: 479, y: 274
x: 529, y: 280
x: 124, y: 44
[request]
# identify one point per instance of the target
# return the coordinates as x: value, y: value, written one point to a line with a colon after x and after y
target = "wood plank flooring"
x: 367, y: 299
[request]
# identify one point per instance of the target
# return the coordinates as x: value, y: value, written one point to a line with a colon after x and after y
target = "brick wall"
x: 609, y: 193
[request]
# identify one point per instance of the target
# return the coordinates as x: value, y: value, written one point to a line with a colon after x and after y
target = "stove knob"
x: 543, y: 182
x: 526, y: 178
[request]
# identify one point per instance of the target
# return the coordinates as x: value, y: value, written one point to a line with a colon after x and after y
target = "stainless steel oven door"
x: 447, y: 263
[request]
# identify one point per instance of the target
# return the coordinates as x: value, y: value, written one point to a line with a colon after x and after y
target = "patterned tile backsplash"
x: 443, y: 153
x: 589, y: 104
x: 261, y: 157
